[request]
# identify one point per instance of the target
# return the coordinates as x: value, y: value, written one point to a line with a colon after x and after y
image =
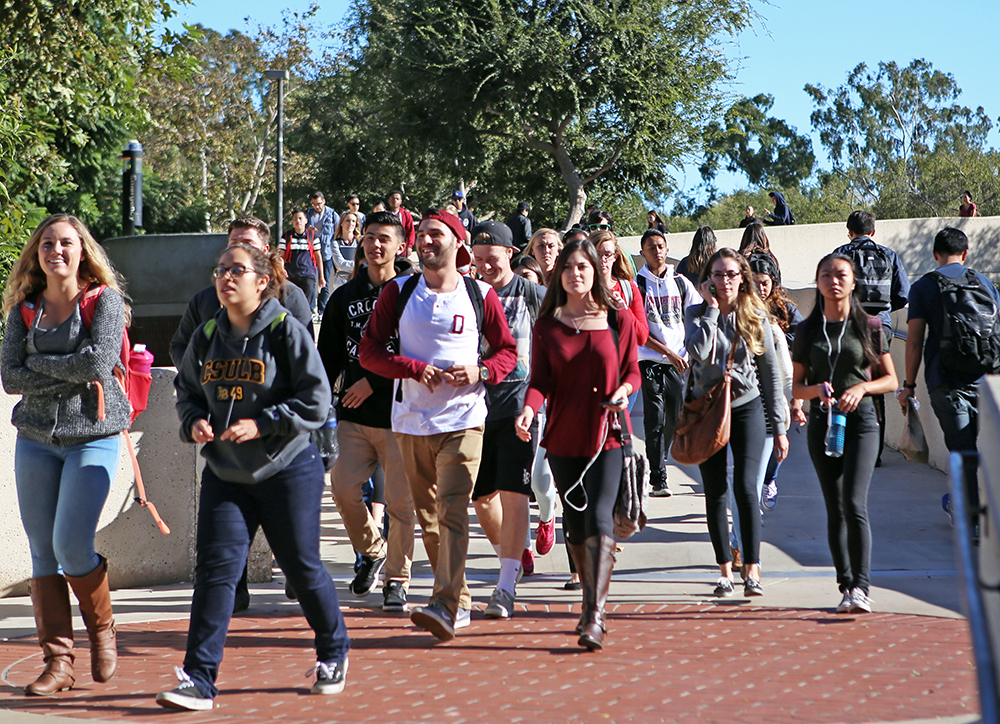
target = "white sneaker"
x: 464, y: 618
x: 845, y: 603
x: 860, y: 603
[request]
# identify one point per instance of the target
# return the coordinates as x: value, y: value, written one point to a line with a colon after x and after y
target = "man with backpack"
x: 442, y: 320
x: 298, y: 249
x: 503, y: 484
x: 954, y: 309
x: 883, y: 286
x: 662, y: 360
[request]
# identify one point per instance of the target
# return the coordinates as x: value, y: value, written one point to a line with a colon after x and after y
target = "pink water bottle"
x: 141, y: 360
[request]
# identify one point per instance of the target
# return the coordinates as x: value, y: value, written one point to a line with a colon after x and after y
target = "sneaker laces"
x: 321, y: 670
x: 183, y: 677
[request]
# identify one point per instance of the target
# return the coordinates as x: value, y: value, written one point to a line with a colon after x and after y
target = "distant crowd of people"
x: 465, y: 360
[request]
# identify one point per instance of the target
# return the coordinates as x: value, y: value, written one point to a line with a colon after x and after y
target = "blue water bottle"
x: 836, y: 423
x: 326, y: 439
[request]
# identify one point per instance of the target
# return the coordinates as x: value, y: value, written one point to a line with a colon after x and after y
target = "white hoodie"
x: 665, y: 310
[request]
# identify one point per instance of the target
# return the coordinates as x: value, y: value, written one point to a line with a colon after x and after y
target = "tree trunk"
x: 574, y: 185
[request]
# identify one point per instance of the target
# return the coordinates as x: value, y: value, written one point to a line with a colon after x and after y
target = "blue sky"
x: 801, y: 41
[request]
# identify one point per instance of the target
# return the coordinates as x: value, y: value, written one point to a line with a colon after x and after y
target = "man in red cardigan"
x: 394, y: 203
x: 440, y: 406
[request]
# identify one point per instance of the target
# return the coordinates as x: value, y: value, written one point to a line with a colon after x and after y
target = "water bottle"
x: 836, y: 422
x: 141, y: 359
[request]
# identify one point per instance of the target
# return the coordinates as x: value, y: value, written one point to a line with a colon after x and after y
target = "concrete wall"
x: 139, y: 554
x: 989, y: 545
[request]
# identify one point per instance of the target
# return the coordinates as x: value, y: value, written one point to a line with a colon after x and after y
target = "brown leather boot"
x: 54, y: 621
x: 600, y: 561
x: 578, y: 551
x: 95, y: 605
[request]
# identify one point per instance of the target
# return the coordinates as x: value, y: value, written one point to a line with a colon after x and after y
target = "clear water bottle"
x: 836, y: 423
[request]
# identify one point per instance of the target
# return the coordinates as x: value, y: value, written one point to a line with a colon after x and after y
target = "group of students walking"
x: 459, y: 389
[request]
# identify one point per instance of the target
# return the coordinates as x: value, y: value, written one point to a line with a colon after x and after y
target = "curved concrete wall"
x: 138, y: 553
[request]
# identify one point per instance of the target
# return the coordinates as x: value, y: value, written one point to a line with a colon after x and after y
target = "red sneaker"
x: 545, y: 536
x: 528, y: 562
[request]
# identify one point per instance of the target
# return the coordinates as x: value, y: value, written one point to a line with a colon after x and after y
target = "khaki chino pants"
x: 361, y: 448
x: 442, y: 469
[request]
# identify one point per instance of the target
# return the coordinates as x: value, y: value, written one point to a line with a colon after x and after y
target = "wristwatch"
x: 909, y: 385
x: 484, y: 373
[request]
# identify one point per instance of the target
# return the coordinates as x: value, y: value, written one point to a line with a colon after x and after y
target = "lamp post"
x: 132, y: 188
x: 281, y: 76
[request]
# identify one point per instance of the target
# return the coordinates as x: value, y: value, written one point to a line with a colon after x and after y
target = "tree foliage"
x: 602, y: 91
x: 899, y: 139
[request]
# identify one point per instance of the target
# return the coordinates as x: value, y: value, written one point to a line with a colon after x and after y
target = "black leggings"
x: 747, y: 441
x: 601, y: 483
x: 845, y: 482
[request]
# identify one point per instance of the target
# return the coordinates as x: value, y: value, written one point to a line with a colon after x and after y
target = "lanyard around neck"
x: 830, y: 359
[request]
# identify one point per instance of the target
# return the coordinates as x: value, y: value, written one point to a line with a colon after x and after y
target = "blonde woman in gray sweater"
x: 65, y: 317
x: 733, y: 314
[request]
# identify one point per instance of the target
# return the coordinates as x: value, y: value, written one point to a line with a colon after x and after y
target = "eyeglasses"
x: 719, y: 276
x: 609, y: 254
x: 599, y: 227
x: 236, y: 272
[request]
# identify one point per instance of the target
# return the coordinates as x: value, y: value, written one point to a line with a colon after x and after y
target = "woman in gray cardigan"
x: 733, y: 314
x: 65, y: 319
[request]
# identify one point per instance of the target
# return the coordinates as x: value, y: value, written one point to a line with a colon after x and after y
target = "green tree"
x: 610, y: 92
x: 893, y: 133
x: 765, y: 149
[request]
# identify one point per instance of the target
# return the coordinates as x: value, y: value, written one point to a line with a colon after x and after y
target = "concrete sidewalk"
x: 666, y: 622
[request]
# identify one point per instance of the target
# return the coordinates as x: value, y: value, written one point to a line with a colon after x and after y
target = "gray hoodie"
x: 709, y: 339
x: 273, y: 375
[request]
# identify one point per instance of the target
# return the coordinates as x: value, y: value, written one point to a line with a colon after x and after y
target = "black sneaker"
x: 393, y: 596
x: 367, y: 578
x: 186, y: 697
x: 330, y: 678
x: 661, y: 491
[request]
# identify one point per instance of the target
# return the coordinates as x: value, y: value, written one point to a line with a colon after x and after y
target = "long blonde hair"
x: 27, y: 278
x: 751, y: 314
x: 356, y: 235
x: 622, y: 268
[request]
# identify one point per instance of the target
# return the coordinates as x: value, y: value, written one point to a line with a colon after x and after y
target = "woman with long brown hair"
x: 68, y: 420
x: 702, y: 248
x: 584, y: 366
x: 732, y: 319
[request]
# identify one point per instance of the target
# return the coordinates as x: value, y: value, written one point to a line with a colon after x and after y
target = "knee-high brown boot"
x: 54, y: 621
x: 578, y: 551
x: 600, y: 561
x: 95, y: 605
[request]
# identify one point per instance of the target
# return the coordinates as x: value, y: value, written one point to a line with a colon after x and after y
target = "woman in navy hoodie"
x: 251, y: 388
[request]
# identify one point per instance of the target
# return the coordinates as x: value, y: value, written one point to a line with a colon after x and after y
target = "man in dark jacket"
x: 204, y: 304
x: 520, y: 226
x: 364, y: 414
x: 782, y: 215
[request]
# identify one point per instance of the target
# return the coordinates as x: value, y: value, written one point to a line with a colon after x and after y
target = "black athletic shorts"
x: 507, y: 460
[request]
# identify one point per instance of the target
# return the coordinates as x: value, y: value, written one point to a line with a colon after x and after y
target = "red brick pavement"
x: 678, y: 663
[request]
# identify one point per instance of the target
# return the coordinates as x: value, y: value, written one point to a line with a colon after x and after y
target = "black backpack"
x: 970, y: 334
x: 875, y: 282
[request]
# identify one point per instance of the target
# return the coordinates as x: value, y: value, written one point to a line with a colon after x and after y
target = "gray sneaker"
x: 501, y: 605
x: 434, y: 618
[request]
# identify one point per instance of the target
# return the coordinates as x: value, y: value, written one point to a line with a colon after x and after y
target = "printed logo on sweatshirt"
x: 233, y: 370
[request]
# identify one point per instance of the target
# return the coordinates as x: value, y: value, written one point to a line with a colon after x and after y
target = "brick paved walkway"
x: 706, y: 663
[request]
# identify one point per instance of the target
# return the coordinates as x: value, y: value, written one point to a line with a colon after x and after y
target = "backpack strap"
x: 405, y: 292
x: 626, y: 286
x: 476, y: 295
x: 640, y: 281
x: 679, y: 280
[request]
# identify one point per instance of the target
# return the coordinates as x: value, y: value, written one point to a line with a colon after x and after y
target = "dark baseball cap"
x: 493, y: 233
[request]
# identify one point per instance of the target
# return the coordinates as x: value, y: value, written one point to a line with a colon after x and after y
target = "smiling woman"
x: 68, y: 421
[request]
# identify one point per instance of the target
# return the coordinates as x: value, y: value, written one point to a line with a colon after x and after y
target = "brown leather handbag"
x: 704, y: 424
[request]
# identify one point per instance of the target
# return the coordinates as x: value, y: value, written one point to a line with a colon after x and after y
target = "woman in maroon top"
x: 585, y: 377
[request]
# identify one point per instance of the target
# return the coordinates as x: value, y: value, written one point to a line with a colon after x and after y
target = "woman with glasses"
x: 61, y: 346
x: 544, y: 247
x: 251, y: 389
x: 733, y: 319
x: 584, y: 375
x: 618, y: 272
x: 841, y: 358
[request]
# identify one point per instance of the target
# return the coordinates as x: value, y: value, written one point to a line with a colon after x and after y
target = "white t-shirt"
x: 439, y: 329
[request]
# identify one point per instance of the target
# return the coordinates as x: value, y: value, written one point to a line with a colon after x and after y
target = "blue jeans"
x: 287, y: 507
x: 61, y: 491
x: 957, y: 411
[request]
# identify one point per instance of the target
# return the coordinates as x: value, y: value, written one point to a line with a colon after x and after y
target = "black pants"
x: 662, y: 397
x: 747, y: 443
x: 601, y: 484
x: 845, y: 482
x: 308, y: 287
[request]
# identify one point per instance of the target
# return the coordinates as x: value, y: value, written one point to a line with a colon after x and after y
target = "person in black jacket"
x: 520, y: 225
x: 364, y: 429
x: 204, y: 305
